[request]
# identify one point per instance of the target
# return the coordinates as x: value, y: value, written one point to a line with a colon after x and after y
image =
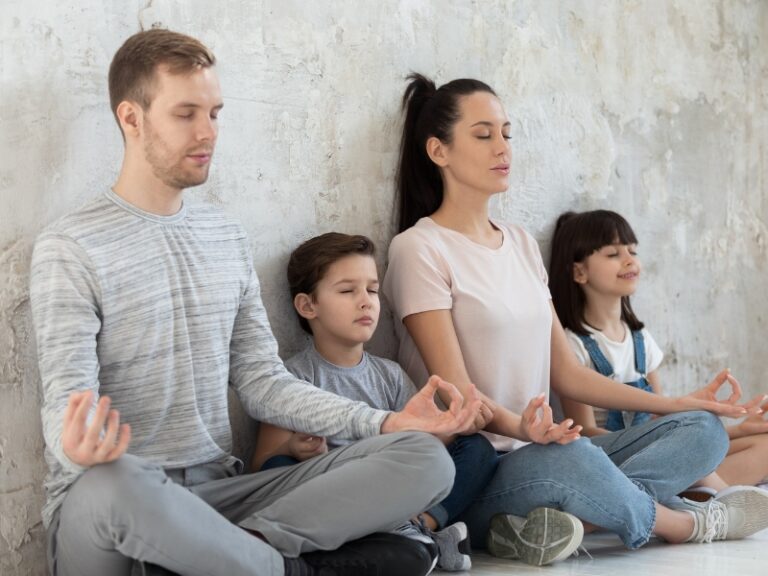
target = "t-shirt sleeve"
x: 417, y: 278
x: 64, y: 292
x: 578, y: 348
x: 405, y: 389
x: 653, y: 354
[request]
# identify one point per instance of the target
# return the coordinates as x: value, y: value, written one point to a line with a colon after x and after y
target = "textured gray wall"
x: 656, y: 108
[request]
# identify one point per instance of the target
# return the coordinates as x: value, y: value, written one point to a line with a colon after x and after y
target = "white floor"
x: 609, y: 558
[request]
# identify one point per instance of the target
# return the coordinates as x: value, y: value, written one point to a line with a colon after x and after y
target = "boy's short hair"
x: 309, y: 263
x: 132, y: 72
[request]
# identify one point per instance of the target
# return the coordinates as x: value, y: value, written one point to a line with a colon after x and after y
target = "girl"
x: 593, y: 272
x: 471, y: 303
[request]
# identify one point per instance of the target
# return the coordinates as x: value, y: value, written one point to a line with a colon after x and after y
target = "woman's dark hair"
x: 577, y: 236
x: 309, y: 263
x: 429, y: 111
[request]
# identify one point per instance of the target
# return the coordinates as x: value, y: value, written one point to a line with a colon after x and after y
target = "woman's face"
x: 479, y: 155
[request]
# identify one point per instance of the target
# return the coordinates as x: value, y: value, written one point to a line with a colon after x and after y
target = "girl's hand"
x: 303, y: 446
x: 706, y: 398
x: 753, y: 424
x: 540, y: 428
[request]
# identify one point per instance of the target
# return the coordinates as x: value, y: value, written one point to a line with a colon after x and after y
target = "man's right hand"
x: 88, y: 445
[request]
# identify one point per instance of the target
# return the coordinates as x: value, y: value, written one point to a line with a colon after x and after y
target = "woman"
x: 472, y: 296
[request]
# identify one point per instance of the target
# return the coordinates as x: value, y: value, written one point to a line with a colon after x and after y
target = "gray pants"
x: 131, y: 509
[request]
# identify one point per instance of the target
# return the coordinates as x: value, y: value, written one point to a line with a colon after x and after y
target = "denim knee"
x: 708, y: 438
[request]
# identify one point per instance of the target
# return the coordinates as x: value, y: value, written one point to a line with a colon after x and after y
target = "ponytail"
x: 429, y: 111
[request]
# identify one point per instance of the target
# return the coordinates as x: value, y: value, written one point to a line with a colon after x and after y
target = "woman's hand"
x: 538, y: 426
x: 706, y: 398
x: 303, y: 446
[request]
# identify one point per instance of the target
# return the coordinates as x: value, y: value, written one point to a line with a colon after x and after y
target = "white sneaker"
x: 545, y: 536
x: 710, y: 519
x: 747, y: 510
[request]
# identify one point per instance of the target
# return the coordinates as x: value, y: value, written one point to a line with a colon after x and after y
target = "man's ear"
x: 580, y: 275
x: 436, y: 151
x: 130, y: 116
x: 305, y: 306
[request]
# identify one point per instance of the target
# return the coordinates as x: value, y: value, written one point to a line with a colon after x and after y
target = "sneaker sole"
x: 748, y: 504
x: 547, y: 536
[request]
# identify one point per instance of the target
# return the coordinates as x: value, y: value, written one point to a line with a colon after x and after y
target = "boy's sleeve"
x: 65, y: 295
x: 269, y: 393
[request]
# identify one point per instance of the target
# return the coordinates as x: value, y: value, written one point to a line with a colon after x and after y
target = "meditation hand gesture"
x: 755, y: 423
x: 538, y: 426
x: 303, y: 446
x: 89, y: 444
x: 706, y: 398
x: 423, y: 415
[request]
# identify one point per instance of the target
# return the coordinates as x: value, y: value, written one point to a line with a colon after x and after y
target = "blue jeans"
x: 475, y: 460
x: 611, y: 481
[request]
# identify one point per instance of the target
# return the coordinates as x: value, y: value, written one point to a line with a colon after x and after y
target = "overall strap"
x: 595, y: 354
x: 639, y: 342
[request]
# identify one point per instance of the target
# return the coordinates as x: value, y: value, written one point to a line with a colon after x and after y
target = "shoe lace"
x: 715, y: 521
x: 579, y: 550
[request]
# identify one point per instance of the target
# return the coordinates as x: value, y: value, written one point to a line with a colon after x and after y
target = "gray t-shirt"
x: 161, y: 313
x: 378, y: 382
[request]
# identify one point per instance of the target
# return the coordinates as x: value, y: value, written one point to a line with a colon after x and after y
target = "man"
x: 152, y: 306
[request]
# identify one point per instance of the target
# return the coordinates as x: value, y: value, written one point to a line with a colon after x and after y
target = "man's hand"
x: 303, y: 446
x: 538, y: 425
x: 88, y: 445
x: 706, y: 399
x: 422, y: 414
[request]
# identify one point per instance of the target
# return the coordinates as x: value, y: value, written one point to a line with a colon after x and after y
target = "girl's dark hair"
x: 429, y: 111
x: 577, y: 236
x: 309, y: 263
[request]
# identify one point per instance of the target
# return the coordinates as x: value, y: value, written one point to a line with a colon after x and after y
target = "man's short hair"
x: 309, y: 263
x: 132, y: 72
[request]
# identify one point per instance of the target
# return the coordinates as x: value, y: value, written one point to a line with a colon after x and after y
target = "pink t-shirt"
x: 499, y: 302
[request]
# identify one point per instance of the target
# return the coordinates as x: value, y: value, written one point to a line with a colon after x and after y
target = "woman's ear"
x: 436, y: 151
x: 580, y: 275
x: 305, y: 306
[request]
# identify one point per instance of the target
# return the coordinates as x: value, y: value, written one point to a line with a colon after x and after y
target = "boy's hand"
x: 303, y: 446
x: 422, y: 414
x: 541, y: 429
x: 88, y: 445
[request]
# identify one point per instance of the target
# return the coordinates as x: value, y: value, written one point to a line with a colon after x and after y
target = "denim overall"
x: 617, y: 419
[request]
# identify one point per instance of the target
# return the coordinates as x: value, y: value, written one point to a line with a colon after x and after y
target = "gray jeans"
x: 133, y: 510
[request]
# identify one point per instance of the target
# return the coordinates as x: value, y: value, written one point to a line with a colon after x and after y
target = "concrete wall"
x: 656, y: 108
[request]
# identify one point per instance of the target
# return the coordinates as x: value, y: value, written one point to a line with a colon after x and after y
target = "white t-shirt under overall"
x: 620, y: 355
x: 499, y: 303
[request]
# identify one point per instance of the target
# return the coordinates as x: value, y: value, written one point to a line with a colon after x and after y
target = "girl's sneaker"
x: 545, y: 536
x: 735, y: 513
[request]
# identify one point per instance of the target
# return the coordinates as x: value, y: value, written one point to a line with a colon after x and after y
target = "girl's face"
x: 612, y: 270
x: 478, y: 156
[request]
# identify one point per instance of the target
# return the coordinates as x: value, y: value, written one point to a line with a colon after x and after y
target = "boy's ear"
x: 580, y: 273
x: 436, y: 151
x: 304, y: 306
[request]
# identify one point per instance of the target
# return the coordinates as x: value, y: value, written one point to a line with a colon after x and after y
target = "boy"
x: 334, y: 285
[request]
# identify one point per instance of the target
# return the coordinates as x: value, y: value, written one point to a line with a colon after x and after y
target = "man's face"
x: 180, y: 126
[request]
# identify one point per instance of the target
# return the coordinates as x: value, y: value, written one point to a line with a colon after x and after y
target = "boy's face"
x: 345, y: 307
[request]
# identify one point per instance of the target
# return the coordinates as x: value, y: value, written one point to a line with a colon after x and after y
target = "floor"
x: 746, y: 557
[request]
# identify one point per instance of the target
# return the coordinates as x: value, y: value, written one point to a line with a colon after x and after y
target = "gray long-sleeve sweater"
x: 160, y: 313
